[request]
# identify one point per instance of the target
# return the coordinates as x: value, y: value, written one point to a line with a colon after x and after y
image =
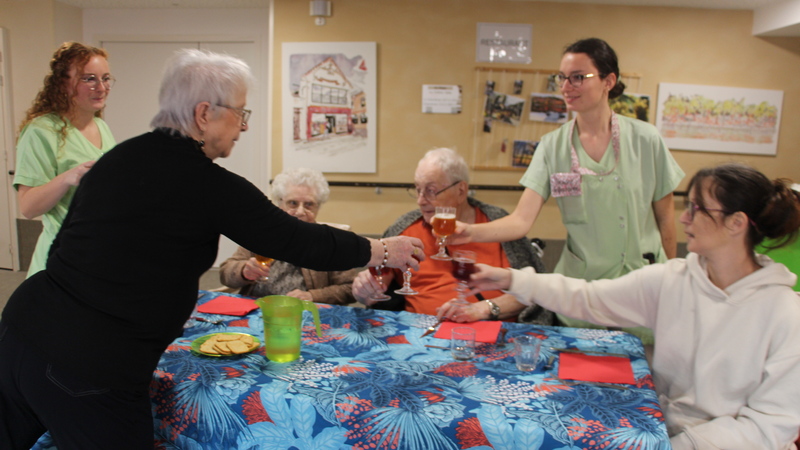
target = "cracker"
x: 238, y: 347
x: 227, y: 337
x: 222, y: 348
x: 208, y: 346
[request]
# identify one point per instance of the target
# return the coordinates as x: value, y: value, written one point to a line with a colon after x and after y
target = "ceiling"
x: 706, y: 4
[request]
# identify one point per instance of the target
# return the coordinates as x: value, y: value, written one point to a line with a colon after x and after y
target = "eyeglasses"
x: 92, y: 81
x: 245, y: 113
x: 294, y: 205
x: 428, y: 194
x: 694, y: 207
x: 576, y: 79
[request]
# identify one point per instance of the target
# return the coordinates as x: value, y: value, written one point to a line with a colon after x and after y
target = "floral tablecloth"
x: 370, y: 383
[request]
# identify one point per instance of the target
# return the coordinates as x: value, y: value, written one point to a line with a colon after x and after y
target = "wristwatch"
x: 494, y: 310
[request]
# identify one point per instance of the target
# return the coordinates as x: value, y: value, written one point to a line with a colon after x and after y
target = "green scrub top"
x: 41, y: 156
x: 611, y: 225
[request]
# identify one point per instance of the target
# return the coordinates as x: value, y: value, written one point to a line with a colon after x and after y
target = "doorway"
x: 138, y: 64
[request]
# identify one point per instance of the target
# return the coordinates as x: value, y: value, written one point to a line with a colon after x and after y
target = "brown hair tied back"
x: 780, y: 218
x: 772, y: 206
x: 604, y: 58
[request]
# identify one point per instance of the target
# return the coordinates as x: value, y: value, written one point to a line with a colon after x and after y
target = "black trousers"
x: 36, y: 397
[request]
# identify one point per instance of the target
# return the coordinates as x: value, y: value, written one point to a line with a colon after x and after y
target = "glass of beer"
x: 444, y: 224
x: 265, y: 262
x: 463, y: 267
x: 378, y: 272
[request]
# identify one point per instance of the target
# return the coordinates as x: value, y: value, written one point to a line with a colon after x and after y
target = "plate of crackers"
x: 225, y: 344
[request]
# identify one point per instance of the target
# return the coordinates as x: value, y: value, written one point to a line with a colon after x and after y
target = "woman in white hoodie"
x: 726, y: 362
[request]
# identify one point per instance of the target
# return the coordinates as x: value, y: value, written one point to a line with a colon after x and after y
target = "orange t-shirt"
x: 435, y: 281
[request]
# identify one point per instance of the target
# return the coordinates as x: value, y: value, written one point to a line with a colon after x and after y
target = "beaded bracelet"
x: 385, y: 253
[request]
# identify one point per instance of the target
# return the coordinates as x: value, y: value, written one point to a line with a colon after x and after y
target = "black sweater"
x: 122, y: 276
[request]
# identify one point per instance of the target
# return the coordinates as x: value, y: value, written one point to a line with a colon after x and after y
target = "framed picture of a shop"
x: 329, y: 106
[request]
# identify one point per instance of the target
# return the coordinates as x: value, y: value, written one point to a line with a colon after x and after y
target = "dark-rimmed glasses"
x: 428, y: 194
x: 576, y: 79
x: 694, y: 207
x: 93, y: 81
x: 245, y: 113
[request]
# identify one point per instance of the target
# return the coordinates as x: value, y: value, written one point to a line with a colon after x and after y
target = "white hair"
x: 300, y: 177
x: 193, y: 76
x: 450, y: 162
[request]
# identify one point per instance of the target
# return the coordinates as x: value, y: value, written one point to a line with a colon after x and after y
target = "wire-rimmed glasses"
x: 93, y: 81
x: 245, y: 113
x: 428, y: 194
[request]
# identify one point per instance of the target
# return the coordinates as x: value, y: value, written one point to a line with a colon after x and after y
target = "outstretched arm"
x: 508, y: 228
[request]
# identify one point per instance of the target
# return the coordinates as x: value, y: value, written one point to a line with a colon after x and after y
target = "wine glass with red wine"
x: 463, y: 267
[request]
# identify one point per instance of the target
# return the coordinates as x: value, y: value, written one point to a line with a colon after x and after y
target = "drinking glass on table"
x: 463, y: 267
x: 377, y: 273
x: 265, y: 262
x: 444, y: 224
x: 462, y: 343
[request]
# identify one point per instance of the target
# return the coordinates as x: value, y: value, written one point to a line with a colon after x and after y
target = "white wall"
x: 144, y: 38
x: 138, y: 24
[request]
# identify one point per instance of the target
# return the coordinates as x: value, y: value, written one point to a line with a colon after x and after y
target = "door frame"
x: 9, y: 255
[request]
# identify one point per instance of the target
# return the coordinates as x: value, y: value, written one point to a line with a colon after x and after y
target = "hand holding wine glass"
x: 265, y: 262
x: 378, y: 273
x: 444, y: 224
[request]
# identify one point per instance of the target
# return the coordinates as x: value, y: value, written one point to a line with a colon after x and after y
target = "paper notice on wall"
x: 441, y: 99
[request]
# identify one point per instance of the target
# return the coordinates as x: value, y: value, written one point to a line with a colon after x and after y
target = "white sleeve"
x: 628, y: 301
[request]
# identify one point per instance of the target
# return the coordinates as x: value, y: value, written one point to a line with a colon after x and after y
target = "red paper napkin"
x: 485, y: 330
x: 600, y: 369
x: 229, y: 306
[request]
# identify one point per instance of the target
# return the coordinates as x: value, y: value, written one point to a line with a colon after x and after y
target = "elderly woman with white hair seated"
x: 301, y: 193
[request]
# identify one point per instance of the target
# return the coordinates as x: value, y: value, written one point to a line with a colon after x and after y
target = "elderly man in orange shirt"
x: 442, y: 179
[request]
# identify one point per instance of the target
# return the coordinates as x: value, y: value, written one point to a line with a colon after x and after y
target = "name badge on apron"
x: 565, y: 184
x: 568, y: 184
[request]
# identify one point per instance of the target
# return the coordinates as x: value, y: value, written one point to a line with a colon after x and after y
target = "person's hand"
x: 488, y: 278
x: 254, y: 271
x: 365, y: 286
x: 302, y: 295
x: 459, y: 312
x: 404, y: 252
x: 73, y: 176
x: 462, y: 235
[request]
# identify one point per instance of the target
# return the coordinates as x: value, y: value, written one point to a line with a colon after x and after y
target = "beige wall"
x: 35, y: 29
x: 433, y: 42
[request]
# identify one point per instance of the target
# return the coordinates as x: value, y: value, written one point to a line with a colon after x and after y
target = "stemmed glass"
x: 406, y: 289
x: 265, y: 262
x: 444, y: 224
x: 463, y: 267
x: 377, y: 272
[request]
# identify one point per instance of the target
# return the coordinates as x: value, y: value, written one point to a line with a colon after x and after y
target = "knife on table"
x: 432, y: 328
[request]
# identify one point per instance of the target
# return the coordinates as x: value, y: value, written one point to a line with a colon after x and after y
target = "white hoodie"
x: 726, y: 363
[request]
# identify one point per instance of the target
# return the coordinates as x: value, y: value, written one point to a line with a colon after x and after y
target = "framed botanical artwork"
x: 719, y: 119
